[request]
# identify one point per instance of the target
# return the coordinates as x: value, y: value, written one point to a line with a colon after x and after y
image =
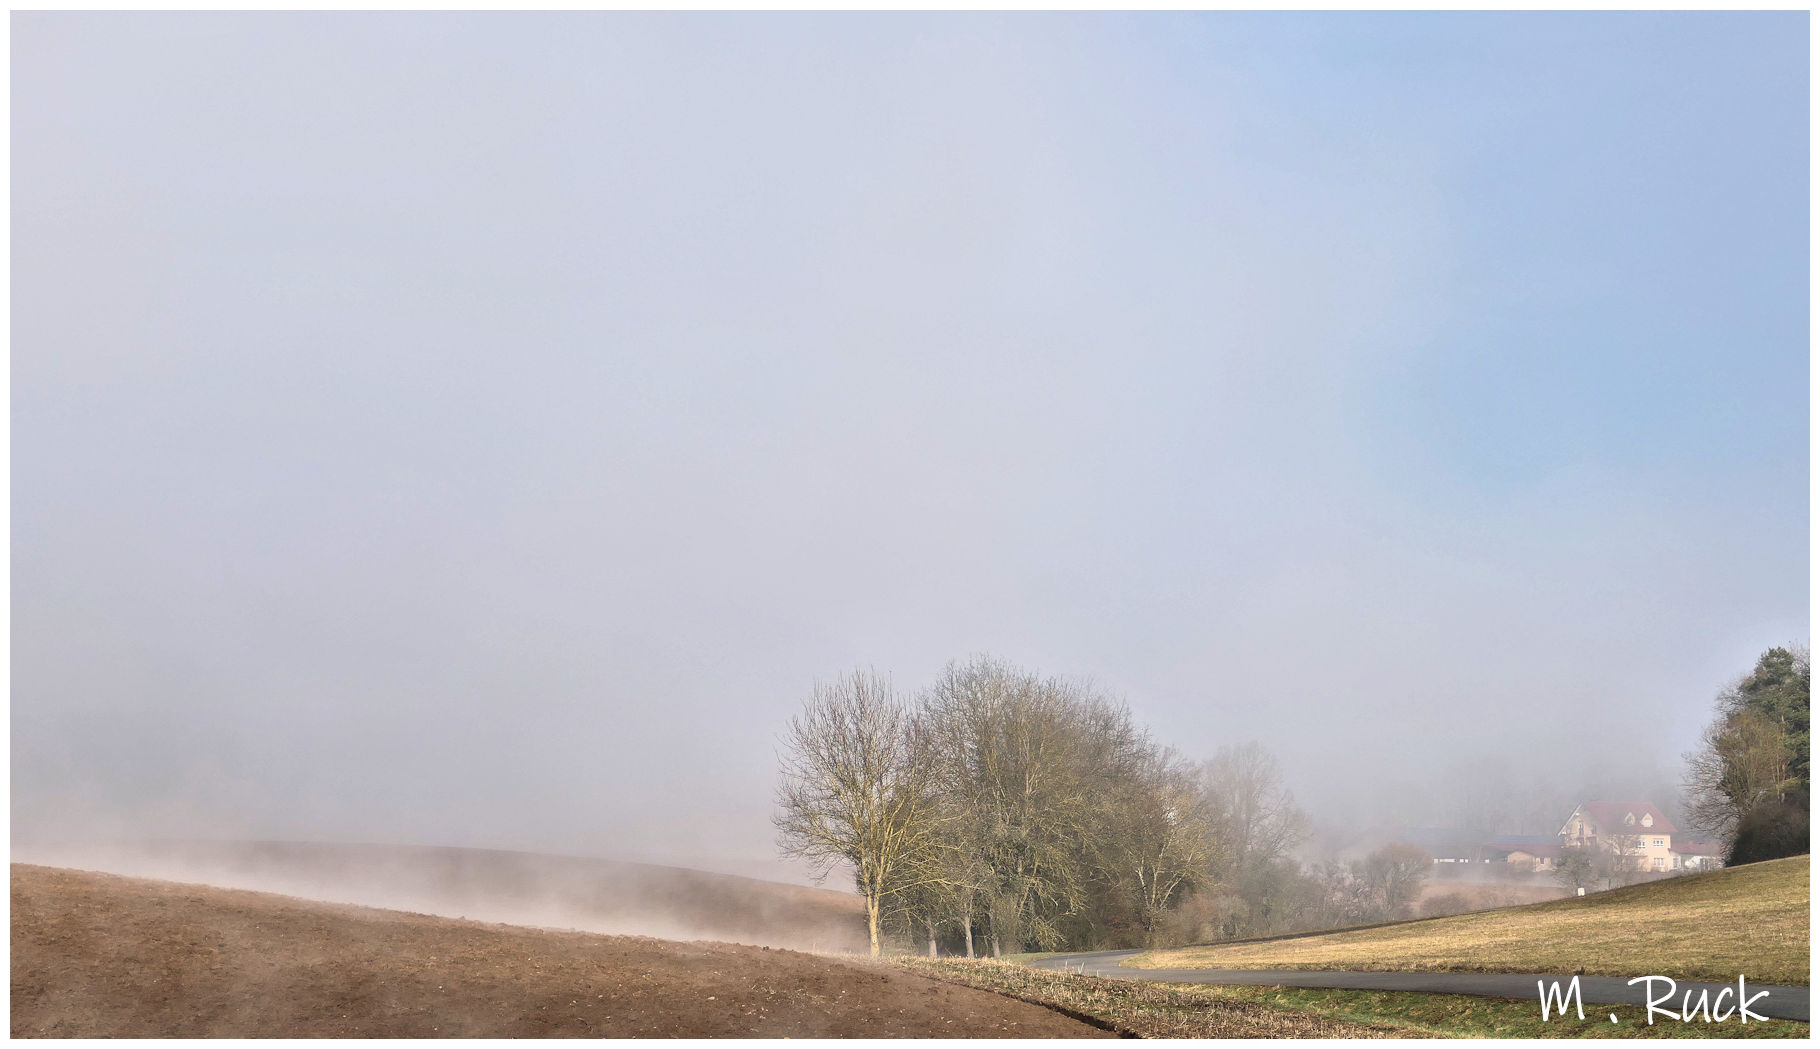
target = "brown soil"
x: 101, y: 955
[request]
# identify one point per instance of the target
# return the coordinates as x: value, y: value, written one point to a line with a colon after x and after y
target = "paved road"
x: 1787, y: 1003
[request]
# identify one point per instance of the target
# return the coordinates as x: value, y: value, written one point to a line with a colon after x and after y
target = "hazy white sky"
x: 483, y: 429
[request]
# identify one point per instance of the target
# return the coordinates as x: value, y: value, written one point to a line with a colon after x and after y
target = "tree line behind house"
x: 1000, y: 811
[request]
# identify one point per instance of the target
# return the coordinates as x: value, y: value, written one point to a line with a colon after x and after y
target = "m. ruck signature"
x: 1709, y: 1007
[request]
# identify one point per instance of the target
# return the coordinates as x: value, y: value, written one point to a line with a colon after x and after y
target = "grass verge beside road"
x: 1750, y: 920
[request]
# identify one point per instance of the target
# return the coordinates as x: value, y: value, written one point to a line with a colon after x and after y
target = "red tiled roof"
x: 1608, y: 816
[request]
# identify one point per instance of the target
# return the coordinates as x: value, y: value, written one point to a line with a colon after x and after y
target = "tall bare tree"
x: 1163, y: 840
x: 855, y: 789
x: 1255, y: 817
x: 1031, y: 765
x: 1255, y: 826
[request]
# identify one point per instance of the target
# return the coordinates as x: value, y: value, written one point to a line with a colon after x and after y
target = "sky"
x: 485, y: 429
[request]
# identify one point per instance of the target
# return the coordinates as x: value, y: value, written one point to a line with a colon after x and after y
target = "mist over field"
x: 483, y: 430
x: 540, y: 890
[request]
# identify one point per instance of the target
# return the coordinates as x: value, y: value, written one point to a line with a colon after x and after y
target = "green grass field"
x: 1750, y: 920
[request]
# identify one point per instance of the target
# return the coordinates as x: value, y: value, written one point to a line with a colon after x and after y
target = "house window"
x: 1659, y: 841
x: 1659, y: 861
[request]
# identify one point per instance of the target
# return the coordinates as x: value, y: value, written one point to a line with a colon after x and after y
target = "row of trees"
x: 1748, y: 784
x: 1031, y: 812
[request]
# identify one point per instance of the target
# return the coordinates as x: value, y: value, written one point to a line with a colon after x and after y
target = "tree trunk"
x: 995, y: 953
x: 967, y: 923
x: 930, y: 922
x: 872, y: 921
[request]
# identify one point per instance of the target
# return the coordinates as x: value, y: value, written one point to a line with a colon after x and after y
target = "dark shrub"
x: 1769, y: 832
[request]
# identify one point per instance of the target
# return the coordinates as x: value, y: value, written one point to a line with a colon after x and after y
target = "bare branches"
x: 853, y: 788
x: 1036, y: 772
x: 1033, y: 809
x: 1255, y: 816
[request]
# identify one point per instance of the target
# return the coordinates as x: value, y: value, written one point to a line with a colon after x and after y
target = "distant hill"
x: 518, y: 888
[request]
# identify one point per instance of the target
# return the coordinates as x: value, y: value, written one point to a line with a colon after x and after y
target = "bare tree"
x: 1617, y: 857
x: 1255, y: 825
x: 1742, y: 763
x: 1254, y: 816
x: 853, y: 790
x: 1033, y: 767
x: 1164, y: 839
x: 1576, y: 867
x: 1394, y: 875
x: 1343, y: 896
x: 1749, y: 782
x: 961, y: 878
x: 946, y: 880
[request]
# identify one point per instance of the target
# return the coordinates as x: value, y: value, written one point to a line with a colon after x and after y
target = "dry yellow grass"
x: 1751, y: 920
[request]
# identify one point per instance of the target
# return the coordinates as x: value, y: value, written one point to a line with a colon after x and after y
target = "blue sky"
x: 1623, y: 206
x: 469, y: 429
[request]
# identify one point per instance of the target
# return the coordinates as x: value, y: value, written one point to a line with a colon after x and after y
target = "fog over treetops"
x: 483, y: 430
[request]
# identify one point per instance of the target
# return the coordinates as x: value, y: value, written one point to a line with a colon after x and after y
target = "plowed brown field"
x: 101, y: 955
